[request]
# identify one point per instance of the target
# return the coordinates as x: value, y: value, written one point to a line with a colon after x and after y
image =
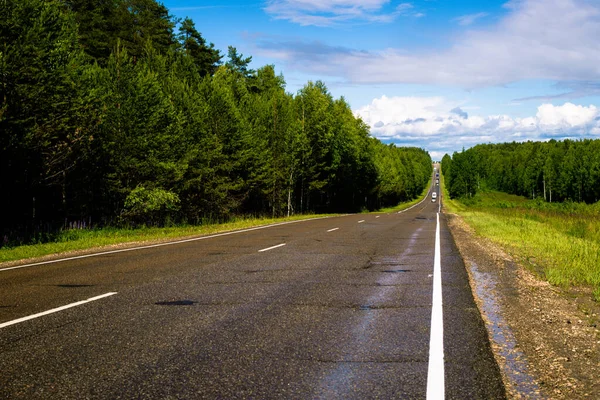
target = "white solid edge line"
x: 414, y: 205
x: 361, y: 221
x: 272, y: 247
x: 334, y: 229
x: 435, y: 373
x: 16, y: 321
x: 158, y: 244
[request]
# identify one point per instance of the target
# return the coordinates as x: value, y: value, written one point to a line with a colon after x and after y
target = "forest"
x: 557, y: 171
x: 113, y: 112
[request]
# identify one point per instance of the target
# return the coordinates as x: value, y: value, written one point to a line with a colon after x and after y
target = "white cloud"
x: 469, y: 19
x: 565, y: 116
x: 332, y: 12
x: 537, y: 39
x: 433, y: 123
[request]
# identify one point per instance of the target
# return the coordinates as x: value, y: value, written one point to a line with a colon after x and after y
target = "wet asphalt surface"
x: 331, y: 315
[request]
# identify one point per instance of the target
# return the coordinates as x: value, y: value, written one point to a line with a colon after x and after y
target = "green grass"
x: 560, y: 242
x: 83, y: 239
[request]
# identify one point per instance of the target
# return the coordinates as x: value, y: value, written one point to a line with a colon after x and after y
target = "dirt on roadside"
x: 546, y: 340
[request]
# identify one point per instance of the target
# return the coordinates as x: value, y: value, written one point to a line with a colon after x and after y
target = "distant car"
x: 437, y: 181
x: 433, y: 196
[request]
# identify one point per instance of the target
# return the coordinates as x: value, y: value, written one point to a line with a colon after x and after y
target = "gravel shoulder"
x: 546, y: 339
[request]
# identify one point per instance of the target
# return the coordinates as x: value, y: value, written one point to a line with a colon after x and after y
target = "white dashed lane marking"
x: 54, y: 310
x: 272, y: 247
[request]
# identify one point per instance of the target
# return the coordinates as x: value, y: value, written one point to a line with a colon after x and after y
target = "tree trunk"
x: 273, y: 204
x: 544, y: 183
x: 289, y: 201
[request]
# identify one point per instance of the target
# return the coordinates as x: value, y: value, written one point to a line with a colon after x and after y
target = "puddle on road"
x: 515, y: 362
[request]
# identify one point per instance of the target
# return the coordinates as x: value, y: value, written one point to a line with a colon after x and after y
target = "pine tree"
x: 206, y: 57
x: 40, y: 109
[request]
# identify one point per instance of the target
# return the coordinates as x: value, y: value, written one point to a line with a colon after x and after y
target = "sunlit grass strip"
x: 564, y: 248
x: 84, y: 239
x: 448, y: 204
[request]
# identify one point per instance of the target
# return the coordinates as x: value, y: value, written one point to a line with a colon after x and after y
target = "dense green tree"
x: 97, y: 26
x: 402, y: 173
x: 41, y: 113
x: 270, y: 119
x: 462, y: 177
x: 446, y: 165
x: 132, y: 23
x: 143, y: 22
x: 553, y: 170
x: 205, y: 56
x: 353, y: 169
x: 316, y: 106
x: 107, y: 117
x: 239, y: 63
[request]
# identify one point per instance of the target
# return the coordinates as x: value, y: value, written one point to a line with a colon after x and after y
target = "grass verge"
x: 85, y: 239
x: 96, y: 239
x: 559, y: 242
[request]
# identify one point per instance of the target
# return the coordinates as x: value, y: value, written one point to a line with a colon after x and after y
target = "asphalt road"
x: 341, y: 311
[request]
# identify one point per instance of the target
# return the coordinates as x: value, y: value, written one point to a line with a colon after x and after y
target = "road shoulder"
x: 546, y: 340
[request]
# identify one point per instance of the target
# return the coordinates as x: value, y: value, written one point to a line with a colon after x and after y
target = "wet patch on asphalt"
x: 515, y: 362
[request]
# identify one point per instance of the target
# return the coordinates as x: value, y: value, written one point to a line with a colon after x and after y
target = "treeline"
x: 109, y: 116
x: 555, y: 171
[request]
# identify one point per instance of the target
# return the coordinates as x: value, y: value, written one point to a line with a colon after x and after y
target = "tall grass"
x: 560, y: 242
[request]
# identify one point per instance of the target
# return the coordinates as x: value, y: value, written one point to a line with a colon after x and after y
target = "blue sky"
x: 436, y: 74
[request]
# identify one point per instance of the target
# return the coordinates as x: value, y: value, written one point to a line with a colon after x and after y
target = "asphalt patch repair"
x: 176, y: 303
x: 555, y: 332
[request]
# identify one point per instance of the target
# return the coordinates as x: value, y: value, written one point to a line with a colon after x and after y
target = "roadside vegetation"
x: 84, y: 239
x: 556, y: 171
x: 406, y: 204
x: 72, y: 240
x: 560, y: 242
x: 119, y: 115
x: 540, y: 200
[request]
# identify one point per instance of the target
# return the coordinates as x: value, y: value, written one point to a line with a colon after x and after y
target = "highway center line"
x: 334, y: 229
x: 435, y: 373
x: 272, y: 247
x: 16, y: 321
